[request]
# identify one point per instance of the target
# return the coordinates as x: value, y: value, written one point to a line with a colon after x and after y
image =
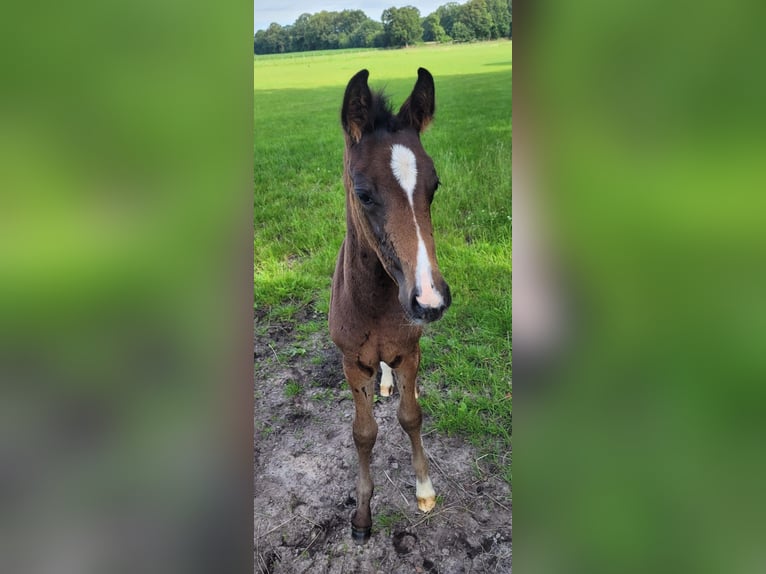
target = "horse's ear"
x: 355, y: 115
x: 418, y: 110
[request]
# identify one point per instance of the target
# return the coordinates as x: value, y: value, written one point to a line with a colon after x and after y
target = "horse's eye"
x: 364, y: 197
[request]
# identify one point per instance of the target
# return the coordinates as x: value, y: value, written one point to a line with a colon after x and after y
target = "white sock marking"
x: 424, y: 489
x: 386, y: 380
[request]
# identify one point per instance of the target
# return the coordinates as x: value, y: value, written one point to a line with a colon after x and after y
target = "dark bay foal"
x: 387, y: 282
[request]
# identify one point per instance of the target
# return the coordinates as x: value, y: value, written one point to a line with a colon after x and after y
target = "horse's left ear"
x: 418, y: 110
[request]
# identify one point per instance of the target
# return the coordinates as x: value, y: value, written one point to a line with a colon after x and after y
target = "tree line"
x: 398, y: 27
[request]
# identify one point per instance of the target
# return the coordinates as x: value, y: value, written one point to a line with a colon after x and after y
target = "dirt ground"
x: 305, y: 473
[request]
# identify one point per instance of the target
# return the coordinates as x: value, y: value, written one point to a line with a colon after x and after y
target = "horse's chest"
x: 387, y: 345
x: 373, y: 339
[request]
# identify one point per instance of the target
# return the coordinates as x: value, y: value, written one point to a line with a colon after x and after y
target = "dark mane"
x: 381, y: 112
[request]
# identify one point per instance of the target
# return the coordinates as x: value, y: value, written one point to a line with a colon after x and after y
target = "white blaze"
x: 429, y: 297
x: 405, y: 168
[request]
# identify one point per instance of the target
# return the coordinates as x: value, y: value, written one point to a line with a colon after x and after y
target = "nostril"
x: 429, y: 313
x: 447, y: 297
x: 433, y: 313
x: 417, y: 308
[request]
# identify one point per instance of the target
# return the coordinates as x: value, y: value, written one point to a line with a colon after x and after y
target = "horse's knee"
x: 410, y: 419
x: 365, y: 435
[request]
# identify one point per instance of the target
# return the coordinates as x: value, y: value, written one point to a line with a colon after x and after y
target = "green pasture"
x: 299, y: 211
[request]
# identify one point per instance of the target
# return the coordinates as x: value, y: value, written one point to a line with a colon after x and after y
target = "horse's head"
x: 390, y: 183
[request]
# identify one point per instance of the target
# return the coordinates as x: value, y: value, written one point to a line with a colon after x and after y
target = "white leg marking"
x: 425, y: 494
x: 386, y: 380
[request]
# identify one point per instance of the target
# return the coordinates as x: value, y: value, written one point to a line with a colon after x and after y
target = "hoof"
x: 360, y: 535
x: 385, y: 391
x: 427, y: 504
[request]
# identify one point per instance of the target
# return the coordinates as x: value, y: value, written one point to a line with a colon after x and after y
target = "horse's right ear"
x: 355, y: 115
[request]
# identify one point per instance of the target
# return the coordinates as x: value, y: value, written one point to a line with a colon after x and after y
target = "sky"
x: 286, y: 12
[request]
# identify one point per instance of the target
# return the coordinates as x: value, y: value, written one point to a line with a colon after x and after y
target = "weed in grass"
x: 292, y: 352
x: 386, y: 520
x: 310, y: 327
x: 325, y: 396
x: 292, y: 389
x: 284, y: 313
x: 296, y: 351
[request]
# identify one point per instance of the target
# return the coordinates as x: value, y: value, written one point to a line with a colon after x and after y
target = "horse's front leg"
x: 361, y: 379
x: 411, y: 418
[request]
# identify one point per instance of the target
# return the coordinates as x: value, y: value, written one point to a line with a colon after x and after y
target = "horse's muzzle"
x: 427, y: 313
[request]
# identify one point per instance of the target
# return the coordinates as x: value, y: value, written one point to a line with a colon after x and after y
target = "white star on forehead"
x: 405, y: 168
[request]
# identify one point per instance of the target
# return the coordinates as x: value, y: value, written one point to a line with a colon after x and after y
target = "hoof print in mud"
x: 404, y: 542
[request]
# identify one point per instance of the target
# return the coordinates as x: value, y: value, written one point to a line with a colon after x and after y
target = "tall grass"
x: 299, y: 210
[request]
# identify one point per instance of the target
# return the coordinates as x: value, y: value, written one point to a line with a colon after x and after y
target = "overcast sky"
x: 286, y: 12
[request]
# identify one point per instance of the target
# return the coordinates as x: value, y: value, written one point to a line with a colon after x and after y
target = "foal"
x: 387, y: 282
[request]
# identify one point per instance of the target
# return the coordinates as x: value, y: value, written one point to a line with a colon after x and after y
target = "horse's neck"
x: 365, y: 277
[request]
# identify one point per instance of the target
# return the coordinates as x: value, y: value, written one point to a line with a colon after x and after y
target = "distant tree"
x: 258, y: 42
x: 462, y: 33
x: 402, y: 26
x: 476, y: 17
x: 287, y: 38
x: 274, y: 40
x: 432, y: 29
x: 300, y: 40
x: 366, y: 34
x: 501, y: 17
x: 321, y: 31
x: 510, y: 25
x: 381, y: 40
x: 348, y: 21
x: 326, y: 30
x: 448, y: 15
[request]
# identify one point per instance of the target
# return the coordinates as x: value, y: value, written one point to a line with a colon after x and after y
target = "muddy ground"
x: 305, y: 472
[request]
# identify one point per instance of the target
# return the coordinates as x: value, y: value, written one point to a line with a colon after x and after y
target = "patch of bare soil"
x: 305, y: 474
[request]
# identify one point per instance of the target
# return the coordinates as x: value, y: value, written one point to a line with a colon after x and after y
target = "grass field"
x: 299, y: 211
